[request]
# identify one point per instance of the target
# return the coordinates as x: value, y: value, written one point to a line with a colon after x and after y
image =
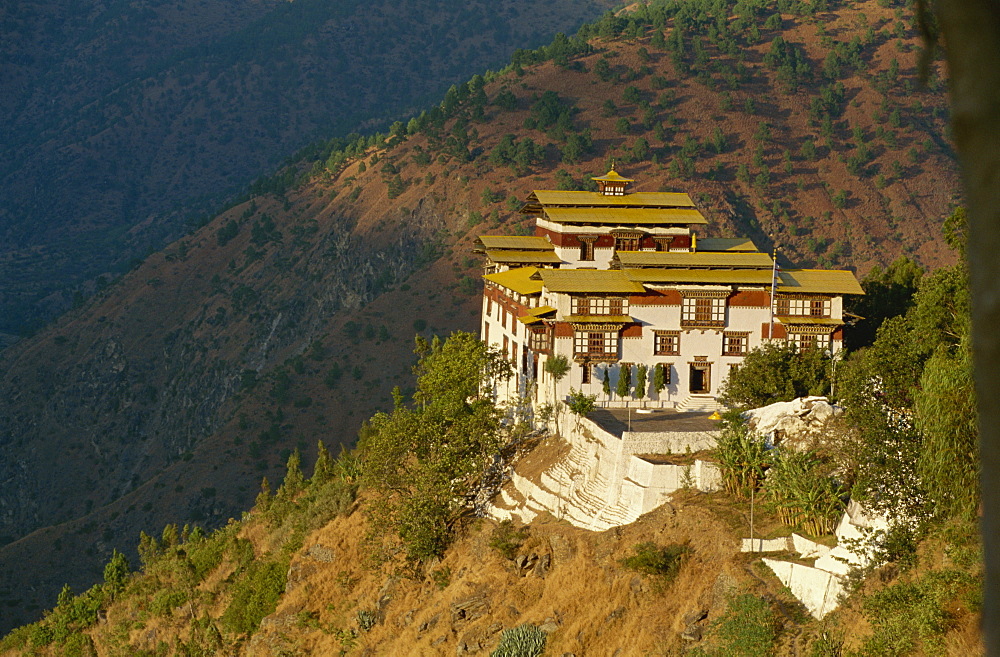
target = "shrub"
x: 506, y: 540
x: 255, y: 595
x: 652, y: 560
x: 748, y: 628
x: 521, y: 641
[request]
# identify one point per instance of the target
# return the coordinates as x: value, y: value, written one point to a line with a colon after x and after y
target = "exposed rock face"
x: 797, y: 424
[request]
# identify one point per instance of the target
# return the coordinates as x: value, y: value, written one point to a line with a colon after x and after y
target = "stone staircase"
x: 700, y: 404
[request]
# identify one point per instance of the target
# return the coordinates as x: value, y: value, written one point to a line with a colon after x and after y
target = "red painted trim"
x: 779, y: 331
x: 656, y: 298
x: 751, y: 298
x: 632, y: 331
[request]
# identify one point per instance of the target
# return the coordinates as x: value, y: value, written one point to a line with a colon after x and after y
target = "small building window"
x: 599, y: 306
x: 806, y: 341
x: 587, y: 248
x: 735, y: 344
x: 801, y: 307
x: 595, y: 344
x: 667, y: 343
x: 587, y: 371
x: 703, y: 312
x: 666, y: 369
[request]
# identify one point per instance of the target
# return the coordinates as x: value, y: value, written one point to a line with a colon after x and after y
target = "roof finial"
x: 612, y: 164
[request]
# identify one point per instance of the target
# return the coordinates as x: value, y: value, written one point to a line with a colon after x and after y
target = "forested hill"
x: 122, y: 121
x: 169, y: 394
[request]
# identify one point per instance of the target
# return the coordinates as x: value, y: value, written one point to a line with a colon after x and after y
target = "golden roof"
x: 818, y: 281
x: 613, y: 176
x: 545, y: 197
x: 583, y: 281
x: 695, y: 276
x: 509, y: 255
x: 519, y: 280
x: 624, y: 215
x: 535, y: 314
x: 541, y: 310
x: 698, y: 259
x: 726, y: 244
x: 516, y: 242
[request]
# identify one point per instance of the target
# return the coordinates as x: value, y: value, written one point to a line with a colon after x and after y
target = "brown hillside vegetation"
x: 290, y: 317
x: 296, y: 577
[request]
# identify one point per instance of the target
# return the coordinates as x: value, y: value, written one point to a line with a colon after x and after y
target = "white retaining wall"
x: 818, y: 589
x: 601, y: 483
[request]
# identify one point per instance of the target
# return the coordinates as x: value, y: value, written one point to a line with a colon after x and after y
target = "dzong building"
x: 616, y: 280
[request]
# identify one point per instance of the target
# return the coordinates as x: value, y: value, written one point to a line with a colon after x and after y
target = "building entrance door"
x: 701, y: 377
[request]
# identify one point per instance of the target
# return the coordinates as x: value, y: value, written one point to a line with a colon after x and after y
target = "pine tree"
x: 323, y: 470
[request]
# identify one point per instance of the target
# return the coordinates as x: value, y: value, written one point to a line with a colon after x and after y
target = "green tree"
x: 640, y: 382
x: 624, y: 380
x: 660, y: 376
x: 323, y: 470
x: 422, y: 462
x: 776, y: 372
x: 116, y: 574
x: 556, y: 367
x: 888, y: 293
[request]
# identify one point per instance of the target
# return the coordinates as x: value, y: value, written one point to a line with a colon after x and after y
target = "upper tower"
x: 612, y: 183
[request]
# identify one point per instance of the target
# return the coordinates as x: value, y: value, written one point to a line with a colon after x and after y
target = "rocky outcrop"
x: 798, y: 424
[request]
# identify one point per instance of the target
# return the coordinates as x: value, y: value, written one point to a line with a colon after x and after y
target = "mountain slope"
x: 123, y: 120
x: 290, y: 317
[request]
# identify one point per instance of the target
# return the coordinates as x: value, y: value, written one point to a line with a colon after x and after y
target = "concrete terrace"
x: 616, y: 421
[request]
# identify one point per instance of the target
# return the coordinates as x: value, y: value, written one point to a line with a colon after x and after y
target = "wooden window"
x: 802, y: 307
x: 513, y: 324
x: 735, y: 344
x: 599, y: 306
x: 587, y: 370
x: 503, y: 317
x: 513, y: 354
x: 489, y: 306
x: 540, y: 338
x: 597, y: 344
x: 805, y: 341
x: 666, y: 343
x: 506, y: 346
x: 820, y: 308
x: 626, y: 243
x: 486, y: 332
x: 703, y: 312
x: 666, y: 368
x: 587, y: 249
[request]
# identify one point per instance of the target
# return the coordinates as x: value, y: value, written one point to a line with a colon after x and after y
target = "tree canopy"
x: 423, y: 462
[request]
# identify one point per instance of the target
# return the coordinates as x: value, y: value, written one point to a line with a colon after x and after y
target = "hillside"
x: 123, y: 121
x: 290, y: 317
x: 295, y: 576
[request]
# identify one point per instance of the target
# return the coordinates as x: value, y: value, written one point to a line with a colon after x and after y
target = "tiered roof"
x: 713, y: 261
